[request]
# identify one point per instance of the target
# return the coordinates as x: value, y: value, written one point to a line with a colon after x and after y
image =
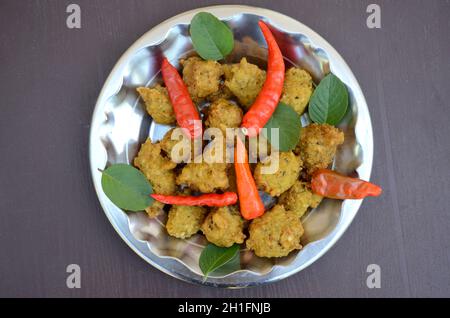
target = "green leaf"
x: 212, y: 38
x: 230, y: 267
x: 329, y: 101
x: 214, y: 257
x: 127, y: 187
x: 286, y: 119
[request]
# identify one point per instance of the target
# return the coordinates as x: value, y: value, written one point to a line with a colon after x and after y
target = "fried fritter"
x: 158, y: 169
x: 223, y: 93
x: 297, y: 89
x: 167, y: 144
x: 155, y: 210
x: 275, y: 234
x: 204, y: 177
x: 245, y: 81
x: 202, y: 78
x: 299, y: 198
x: 223, y: 114
x: 224, y: 226
x: 317, y: 146
x: 289, y: 166
x: 185, y: 221
x: 158, y: 104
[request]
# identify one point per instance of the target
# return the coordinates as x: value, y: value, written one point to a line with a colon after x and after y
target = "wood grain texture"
x: 50, y: 217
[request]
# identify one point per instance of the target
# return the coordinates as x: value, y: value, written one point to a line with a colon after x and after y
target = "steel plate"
x: 120, y: 125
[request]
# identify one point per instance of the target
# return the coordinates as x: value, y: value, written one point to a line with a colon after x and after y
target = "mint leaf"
x: 127, y: 187
x: 212, y: 38
x: 287, y: 120
x: 329, y: 101
x: 214, y: 257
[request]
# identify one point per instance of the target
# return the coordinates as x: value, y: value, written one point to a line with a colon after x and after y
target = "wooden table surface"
x: 50, y: 216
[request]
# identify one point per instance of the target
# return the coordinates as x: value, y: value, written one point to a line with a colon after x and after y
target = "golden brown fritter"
x: 275, y: 234
x: 223, y: 93
x: 297, y: 89
x: 223, y: 114
x: 299, y: 198
x: 167, y: 145
x: 155, y: 210
x: 204, y: 177
x: 289, y: 166
x: 157, y: 168
x: 202, y: 78
x: 185, y: 221
x: 317, y: 146
x: 224, y: 226
x: 245, y: 81
x: 158, y: 104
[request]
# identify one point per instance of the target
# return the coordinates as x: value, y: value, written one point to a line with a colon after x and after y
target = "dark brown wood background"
x: 49, y: 214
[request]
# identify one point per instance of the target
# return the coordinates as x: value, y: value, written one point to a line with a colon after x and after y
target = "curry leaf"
x: 127, y: 187
x: 329, y: 101
x: 286, y: 119
x: 212, y: 38
x: 214, y: 257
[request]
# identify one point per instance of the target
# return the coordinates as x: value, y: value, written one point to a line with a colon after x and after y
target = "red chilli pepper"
x: 267, y: 101
x: 251, y: 205
x: 211, y: 199
x: 331, y: 184
x: 185, y: 110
